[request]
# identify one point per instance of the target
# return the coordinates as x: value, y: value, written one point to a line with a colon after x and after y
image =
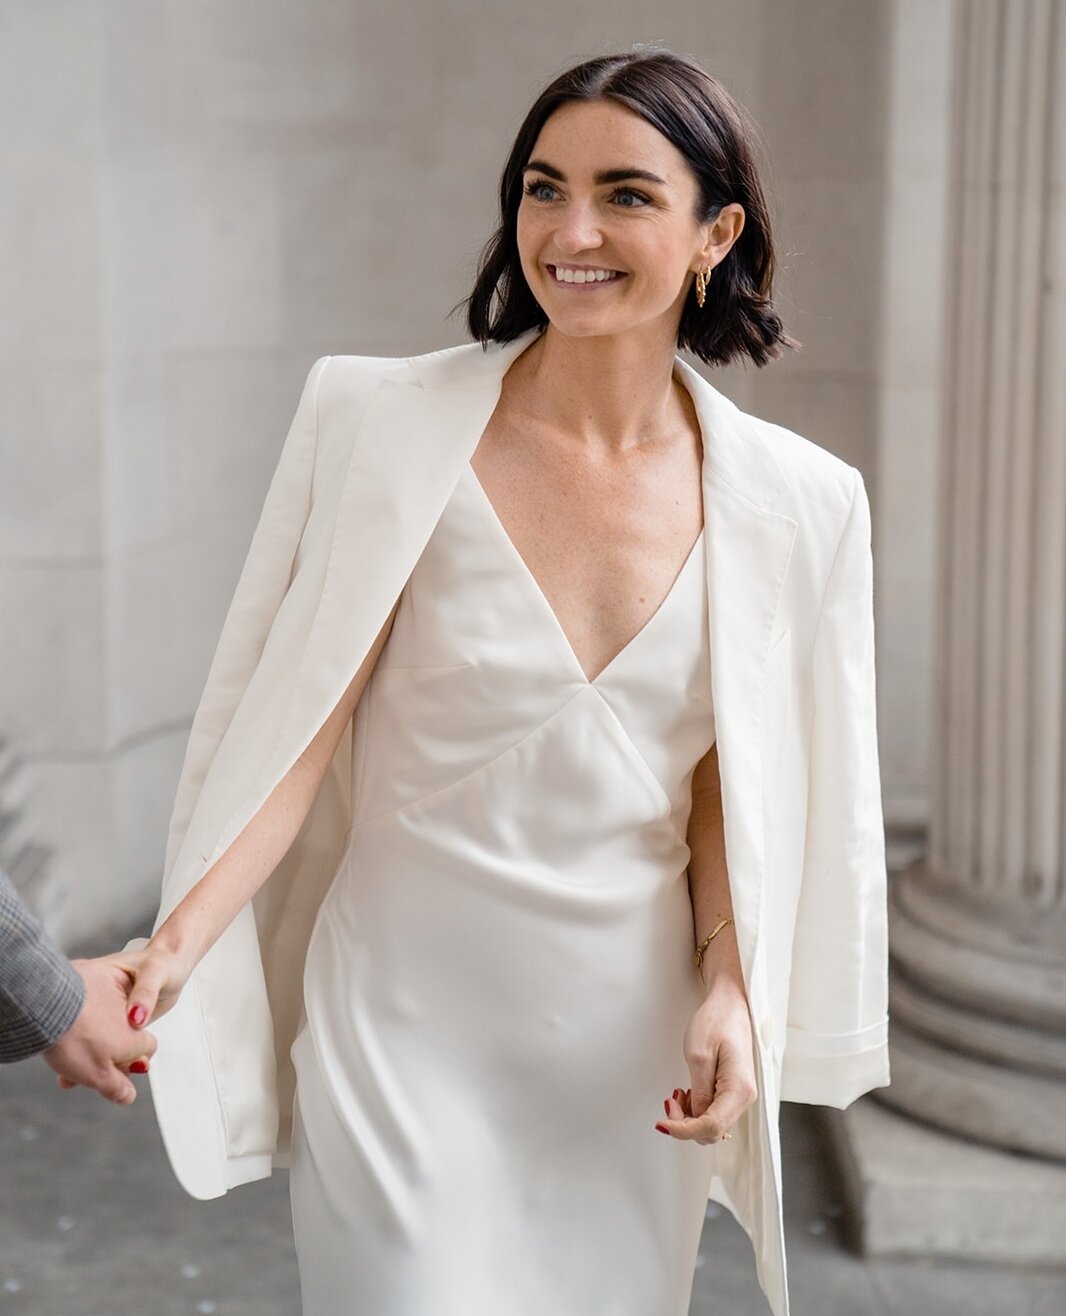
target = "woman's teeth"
x: 585, y: 276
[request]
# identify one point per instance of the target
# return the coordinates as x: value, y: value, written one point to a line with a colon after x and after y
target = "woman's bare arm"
x: 161, y: 969
x: 708, y: 874
x: 718, y: 1041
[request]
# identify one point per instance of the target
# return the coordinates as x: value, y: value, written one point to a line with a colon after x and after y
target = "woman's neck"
x: 606, y: 393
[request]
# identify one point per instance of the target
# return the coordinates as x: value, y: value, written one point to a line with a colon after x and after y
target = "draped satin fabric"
x: 500, y: 975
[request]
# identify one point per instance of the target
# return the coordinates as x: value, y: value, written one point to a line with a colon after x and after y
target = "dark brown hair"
x: 696, y: 113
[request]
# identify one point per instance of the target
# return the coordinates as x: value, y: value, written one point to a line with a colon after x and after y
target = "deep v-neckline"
x: 546, y: 607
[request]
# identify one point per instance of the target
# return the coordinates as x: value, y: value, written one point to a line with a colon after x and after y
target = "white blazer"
x: 375, y: 449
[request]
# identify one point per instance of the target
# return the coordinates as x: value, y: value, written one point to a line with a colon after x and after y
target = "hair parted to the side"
x: 710, y: 129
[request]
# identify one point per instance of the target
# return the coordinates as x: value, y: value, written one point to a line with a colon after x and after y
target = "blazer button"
x: 766, y: 1030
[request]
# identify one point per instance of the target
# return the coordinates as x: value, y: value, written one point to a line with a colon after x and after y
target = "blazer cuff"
x: 833, y: 1069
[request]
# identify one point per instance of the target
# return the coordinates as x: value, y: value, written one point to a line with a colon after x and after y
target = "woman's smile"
x: 583, y: 276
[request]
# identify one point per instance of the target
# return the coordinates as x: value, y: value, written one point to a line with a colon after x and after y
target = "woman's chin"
x: 586, y: 322
x: 595, y: 326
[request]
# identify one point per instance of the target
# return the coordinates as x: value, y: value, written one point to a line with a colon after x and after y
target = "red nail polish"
x: 666, y: 1107
x: 662, y: 1130
x: 139, y: 1067
x: 138, y: 1015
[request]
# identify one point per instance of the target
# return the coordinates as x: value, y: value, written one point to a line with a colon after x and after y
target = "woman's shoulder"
x: 766, y: 460
x: 440, y: 365
x: 346, y: 376
x: 812, y: 475
x: 340, y: 388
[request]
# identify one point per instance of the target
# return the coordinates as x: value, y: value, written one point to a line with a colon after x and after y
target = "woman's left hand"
x: 718, y: 1049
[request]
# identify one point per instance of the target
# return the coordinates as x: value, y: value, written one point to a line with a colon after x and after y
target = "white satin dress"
x: 500, y: 976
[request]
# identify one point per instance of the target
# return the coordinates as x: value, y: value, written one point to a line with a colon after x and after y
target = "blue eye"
x: 536, y: 185
x: 628, y: 191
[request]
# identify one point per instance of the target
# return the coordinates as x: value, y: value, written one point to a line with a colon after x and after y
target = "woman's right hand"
x: 156, y: 975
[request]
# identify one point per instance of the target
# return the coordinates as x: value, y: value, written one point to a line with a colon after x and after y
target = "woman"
x: 525, y: 869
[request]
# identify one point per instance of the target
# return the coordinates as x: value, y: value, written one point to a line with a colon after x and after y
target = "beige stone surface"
x: 919, y: 1192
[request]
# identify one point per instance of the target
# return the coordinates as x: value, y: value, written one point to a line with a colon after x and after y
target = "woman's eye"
x: 536, y: 187
x: 639, y: 197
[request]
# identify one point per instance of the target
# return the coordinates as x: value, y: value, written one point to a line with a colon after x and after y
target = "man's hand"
x: 100, y: 1046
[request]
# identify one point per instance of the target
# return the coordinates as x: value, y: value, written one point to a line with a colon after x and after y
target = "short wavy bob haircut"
x: 696, y: 113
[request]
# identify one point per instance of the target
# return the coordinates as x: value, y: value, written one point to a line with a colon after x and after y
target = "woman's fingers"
x: 682, y: 1121
x: 678, y: 1105
x: 144, y: 994
x: 704, y: 1128
x: 694, y: 1116
x: 701, y: 1128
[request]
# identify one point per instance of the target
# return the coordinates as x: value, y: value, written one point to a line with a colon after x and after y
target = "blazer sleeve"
x: 836, y: 1045
x: 41, y: 994
x: 264, y: 579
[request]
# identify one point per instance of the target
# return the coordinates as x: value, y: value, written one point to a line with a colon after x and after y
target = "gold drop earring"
x: 703, y: 278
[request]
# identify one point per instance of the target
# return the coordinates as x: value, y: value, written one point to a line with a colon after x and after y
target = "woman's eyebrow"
x: 604, y: 176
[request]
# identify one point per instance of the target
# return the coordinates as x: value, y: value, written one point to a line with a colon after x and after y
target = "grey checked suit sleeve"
x: 41, y: 994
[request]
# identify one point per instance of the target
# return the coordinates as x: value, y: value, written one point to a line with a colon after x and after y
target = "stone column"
x: 978, y: 933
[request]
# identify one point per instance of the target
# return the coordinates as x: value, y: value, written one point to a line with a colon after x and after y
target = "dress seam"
x: 364, y: 823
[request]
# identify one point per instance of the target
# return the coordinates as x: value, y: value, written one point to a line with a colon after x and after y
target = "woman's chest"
x: 604, y: 536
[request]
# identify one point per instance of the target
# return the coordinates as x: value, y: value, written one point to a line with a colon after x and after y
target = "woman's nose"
x: 578, y: 229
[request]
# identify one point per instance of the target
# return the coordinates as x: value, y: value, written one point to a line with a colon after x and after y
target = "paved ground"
x: 93, y: 1222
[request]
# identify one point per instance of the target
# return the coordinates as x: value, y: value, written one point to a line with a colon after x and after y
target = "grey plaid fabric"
x: 40, y: 993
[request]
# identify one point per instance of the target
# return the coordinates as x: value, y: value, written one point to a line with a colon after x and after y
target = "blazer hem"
x: 834, y: 1080
x: 246, y: 1169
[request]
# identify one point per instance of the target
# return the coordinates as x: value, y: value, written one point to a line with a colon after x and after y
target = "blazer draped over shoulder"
x: 373, y: 453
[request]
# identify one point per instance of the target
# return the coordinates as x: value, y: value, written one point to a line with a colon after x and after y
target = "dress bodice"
x: 477, y: 658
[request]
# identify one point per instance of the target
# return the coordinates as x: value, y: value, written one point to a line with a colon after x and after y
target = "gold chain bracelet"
x: 707, y: 941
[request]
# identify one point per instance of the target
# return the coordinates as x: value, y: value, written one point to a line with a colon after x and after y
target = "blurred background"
x: 197, y: 200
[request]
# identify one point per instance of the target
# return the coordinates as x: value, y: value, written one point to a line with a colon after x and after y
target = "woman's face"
x: 608, y: 199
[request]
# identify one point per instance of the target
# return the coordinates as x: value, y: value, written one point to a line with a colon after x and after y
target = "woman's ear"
x: 722, y: 232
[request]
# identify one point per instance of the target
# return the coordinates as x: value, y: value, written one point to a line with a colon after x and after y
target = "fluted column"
x: 978, y: 932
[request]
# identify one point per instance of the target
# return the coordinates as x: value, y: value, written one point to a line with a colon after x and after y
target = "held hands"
x: 718, y: 1049
x: 100, y: 1048
x: 124, y: 992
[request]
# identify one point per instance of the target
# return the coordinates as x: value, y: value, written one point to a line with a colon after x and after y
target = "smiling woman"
x: 546, y: 705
